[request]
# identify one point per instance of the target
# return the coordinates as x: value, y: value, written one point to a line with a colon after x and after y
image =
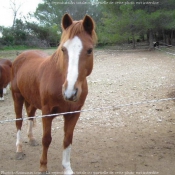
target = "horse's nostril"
x: 71, y: 96
x: 76, y: 91
x: 74, y: 97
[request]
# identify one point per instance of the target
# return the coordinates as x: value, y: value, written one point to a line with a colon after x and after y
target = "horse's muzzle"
x: 70, y: 95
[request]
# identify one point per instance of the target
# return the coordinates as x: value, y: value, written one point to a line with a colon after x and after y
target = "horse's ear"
x: 66, y: 21
x: 88, y: 24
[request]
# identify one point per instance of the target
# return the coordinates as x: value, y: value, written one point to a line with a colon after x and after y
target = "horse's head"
x: 76, y: 45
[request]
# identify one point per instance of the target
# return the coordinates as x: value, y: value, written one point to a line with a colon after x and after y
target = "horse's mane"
x: 74, y: 29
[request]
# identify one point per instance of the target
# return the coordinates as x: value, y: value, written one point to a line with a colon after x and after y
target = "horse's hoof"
x: 1, y: 98
x: 20, y: 156
x: 68, y: 172
x: 33, y: 143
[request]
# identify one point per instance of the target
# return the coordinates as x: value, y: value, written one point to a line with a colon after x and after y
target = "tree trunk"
x: 147, y: 35
x: 151, y: 46
x: 14, y: 20
x: 171, y: 37
x: 143, y: 38
x: 133, y: 41
x: 164, y: 36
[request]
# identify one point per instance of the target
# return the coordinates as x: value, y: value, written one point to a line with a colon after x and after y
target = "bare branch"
x: 15, y: 10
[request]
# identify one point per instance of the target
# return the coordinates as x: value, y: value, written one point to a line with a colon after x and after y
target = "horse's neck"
x: 55, y: 62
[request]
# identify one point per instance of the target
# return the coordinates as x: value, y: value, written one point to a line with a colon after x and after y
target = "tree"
x: 116, y: 21
x: 17, y: 36
x: 49, y: 34
x: 130, y: 19
x: 15, y: 9
x: 51, y: 12
x: 127, y: 23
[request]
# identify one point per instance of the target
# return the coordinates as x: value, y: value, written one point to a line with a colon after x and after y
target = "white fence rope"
x: 91, y: 109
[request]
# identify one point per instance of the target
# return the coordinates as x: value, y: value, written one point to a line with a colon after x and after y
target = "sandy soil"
x: 134, y: 139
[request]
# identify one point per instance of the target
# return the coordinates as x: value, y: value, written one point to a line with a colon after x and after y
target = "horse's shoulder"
x: 29, y: 55
x: 35, y: 53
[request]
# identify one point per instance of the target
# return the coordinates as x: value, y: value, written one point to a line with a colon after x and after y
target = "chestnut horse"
x: 54, y: 84
x: 5, y: 75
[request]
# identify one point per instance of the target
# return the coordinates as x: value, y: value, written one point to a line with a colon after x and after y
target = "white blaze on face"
x: 74, y: 47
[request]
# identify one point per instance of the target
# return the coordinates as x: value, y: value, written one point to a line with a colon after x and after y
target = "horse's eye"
x: 63, y: 49
x: 89, y: 51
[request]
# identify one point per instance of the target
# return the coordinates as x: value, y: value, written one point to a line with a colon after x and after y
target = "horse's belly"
x: 32, y: 97
x: 28, y: 86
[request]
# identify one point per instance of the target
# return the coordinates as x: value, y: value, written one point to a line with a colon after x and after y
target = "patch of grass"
x: 12, y: 52
x: 20, y: 47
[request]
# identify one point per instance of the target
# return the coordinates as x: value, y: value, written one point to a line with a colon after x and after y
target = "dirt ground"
x: 130, y: 139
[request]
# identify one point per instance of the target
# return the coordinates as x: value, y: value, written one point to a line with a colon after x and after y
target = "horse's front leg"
x: 46, y: 140
x: 69, y: 125
x: 18, y: 105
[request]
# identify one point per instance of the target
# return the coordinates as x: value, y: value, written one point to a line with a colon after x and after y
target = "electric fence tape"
x: 89, y: 110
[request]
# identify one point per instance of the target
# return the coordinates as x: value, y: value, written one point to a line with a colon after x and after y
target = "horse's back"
x: 28, y: 59
x: 34, y: 54
x: 5, y: 62
x: 29, y: 55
